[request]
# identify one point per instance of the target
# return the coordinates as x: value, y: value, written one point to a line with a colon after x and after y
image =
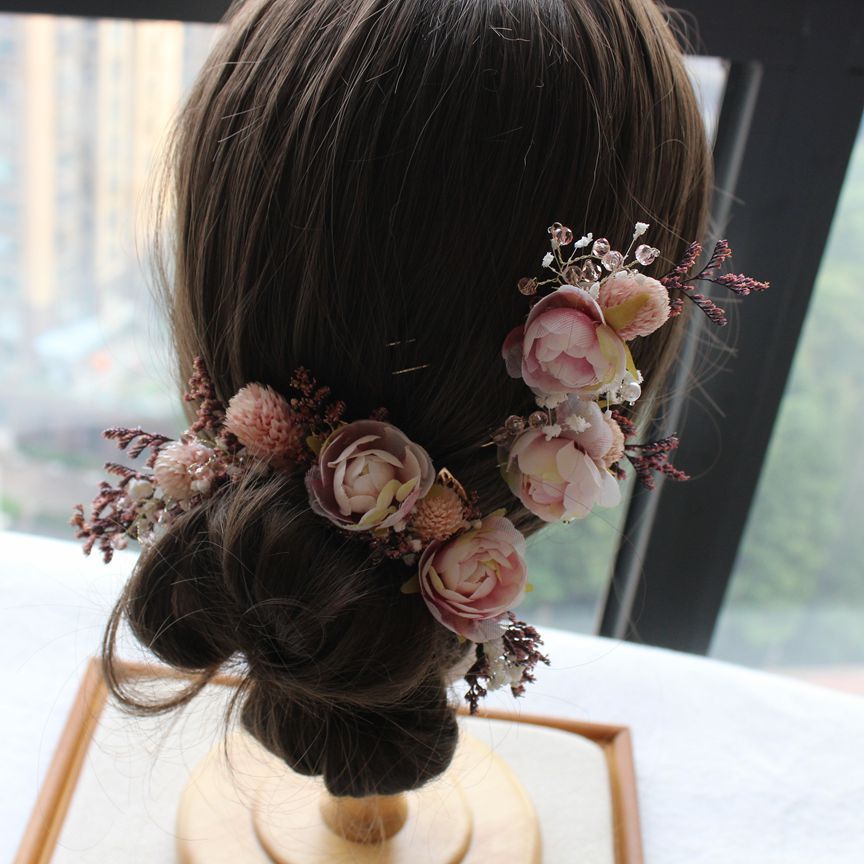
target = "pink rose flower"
x: 634, y: 304
x: 565, y: 346
x: 369, y: 475
x: 563, y: 478
x: 470, y: 581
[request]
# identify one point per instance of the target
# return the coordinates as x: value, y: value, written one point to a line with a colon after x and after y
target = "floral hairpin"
x: 366, y: 477
x: 375, y: 484
x: 573, y: 353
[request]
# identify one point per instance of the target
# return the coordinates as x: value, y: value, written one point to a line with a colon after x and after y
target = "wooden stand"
x: 98, y: 802
x: 243, y: 806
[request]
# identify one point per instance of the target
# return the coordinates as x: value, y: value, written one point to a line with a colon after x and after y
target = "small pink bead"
x: 612, y: 260
x: 561, y: 234
x: 600, y: 248
x: 527, y: 286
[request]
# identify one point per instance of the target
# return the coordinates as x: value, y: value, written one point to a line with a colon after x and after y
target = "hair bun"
x: 173, y: 602
x: 357, y: 750
x: 329, y: 682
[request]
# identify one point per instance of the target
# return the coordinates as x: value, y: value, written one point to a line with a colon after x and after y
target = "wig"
x: 356, y: 186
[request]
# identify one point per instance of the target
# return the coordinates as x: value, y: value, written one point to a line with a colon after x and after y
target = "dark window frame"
x: 789, y: 118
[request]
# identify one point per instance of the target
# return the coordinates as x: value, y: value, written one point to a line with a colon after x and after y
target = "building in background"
x: 86, y: 107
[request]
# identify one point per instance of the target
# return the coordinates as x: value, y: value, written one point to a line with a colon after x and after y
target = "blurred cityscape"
x: 85, y: 106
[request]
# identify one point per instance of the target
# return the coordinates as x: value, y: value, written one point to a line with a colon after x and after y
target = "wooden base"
x: 114, y: 783
x: 243, y: 806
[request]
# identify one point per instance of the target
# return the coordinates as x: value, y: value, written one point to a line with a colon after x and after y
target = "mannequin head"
x: 357, y: 187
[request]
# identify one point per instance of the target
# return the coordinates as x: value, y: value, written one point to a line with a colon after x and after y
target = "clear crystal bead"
x: 612, y: 260
x: 601, y: 247
x: 590, y: 272
x: 646, y: 255
x: 572, y: 275
x: 537, y: 418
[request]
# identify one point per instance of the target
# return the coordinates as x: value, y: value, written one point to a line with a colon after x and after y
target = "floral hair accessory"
x: 374, y: 484
x: 366, y: 477
x: 573, y: 352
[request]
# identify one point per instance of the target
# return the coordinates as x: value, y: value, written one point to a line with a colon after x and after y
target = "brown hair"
x: 357, y: 187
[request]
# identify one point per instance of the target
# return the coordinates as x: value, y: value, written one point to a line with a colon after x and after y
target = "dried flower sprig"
x: 136, y: 441
x: 737, y: 283
x: 506, y: 661
x: 210, y: 413
x: 647, y: 458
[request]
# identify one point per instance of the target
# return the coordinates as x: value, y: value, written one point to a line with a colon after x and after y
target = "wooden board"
x: 43, y: 829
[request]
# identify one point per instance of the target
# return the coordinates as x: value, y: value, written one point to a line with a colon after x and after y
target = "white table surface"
x: 733, y: 765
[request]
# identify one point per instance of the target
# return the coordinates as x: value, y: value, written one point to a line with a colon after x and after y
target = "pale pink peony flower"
x: 634, y: 304
x: 565, y: 477
x: 263, y: 422
x: 369, y: 475
x: 438, y: 515
x: 183, y: 469
x: 472, y: 580
x: 565, y: 347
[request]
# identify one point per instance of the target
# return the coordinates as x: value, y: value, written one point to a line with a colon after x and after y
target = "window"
x: 91, y: 100
x: 570, y: 568
x: 797, y: 593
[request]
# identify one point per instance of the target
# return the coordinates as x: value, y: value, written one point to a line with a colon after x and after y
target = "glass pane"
x: 796, y: 600
x: 84, y: 105
x: 570, y: 566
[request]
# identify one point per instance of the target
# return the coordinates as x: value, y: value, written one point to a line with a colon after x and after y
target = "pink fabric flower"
x: 634, y: 304
x: 565, y: 347
x: 263, y: 422
x: 369, y: 475
x: 563, y: 478
x: 184, y: 469
x: 472, y: 580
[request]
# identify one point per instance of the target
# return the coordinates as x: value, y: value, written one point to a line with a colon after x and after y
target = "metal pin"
x: 411, y: 369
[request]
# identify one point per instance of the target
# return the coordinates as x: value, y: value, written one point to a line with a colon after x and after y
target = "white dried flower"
x: 553, y: 430
x: 502, y: 671
x: 548, y: 258
x: 577, y: 423
x: 550, y: 400
x: 139, y: 490
x: 641, y: 228
x: 583, y: 241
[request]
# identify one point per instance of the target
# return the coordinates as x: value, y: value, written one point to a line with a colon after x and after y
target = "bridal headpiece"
x: 376, y: 485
